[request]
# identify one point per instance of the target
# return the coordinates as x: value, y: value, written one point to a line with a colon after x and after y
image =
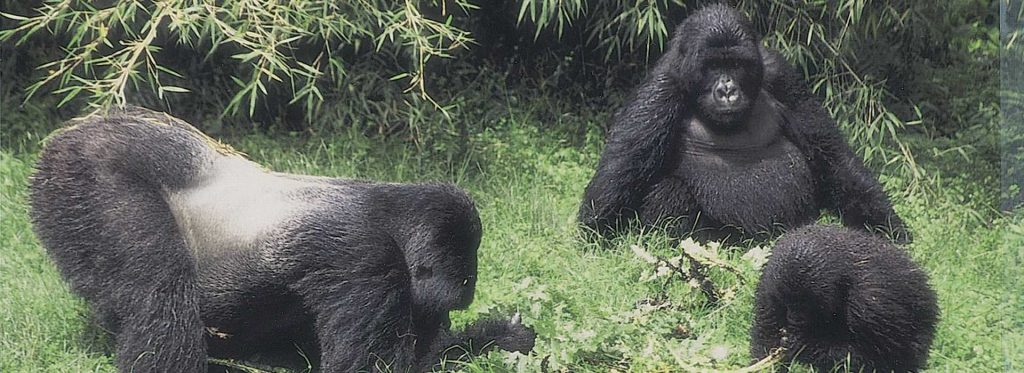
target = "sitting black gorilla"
x: 830, y: 295
x: 724, y: 140
x: 184, y: 248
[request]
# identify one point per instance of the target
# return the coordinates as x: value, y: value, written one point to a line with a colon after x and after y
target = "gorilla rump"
x: 184, y: 248
x: 831, y: 294
x: 724, y: 139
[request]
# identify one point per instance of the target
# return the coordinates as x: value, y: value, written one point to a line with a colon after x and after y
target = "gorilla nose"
x: 726, y: 90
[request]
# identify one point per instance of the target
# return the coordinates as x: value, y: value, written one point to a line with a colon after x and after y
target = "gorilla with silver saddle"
x: 184, y: 249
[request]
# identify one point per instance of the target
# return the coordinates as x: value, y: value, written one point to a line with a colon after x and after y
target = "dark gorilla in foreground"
x: 724, y: 140
x: 829, y: 295
x: 185, y: 249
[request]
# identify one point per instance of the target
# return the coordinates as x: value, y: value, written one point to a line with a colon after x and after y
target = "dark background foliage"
x: 413, y: 68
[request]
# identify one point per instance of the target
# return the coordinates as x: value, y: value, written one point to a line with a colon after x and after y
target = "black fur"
x: 365, y: 273
x: 771, y: 161
x: 828, y: 294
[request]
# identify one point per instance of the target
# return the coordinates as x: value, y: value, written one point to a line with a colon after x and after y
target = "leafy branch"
x: 112, y: 49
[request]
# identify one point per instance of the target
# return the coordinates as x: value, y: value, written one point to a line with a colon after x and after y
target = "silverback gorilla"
x: 724, y: 140
x: 185, y: 249
x: 829, y: 295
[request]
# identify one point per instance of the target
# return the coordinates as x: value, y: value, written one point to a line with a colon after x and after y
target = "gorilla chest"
x: 755, y: 179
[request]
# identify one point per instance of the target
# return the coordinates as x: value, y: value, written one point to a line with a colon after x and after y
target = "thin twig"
x: 236, y: 365
x: 768, y: 361
x: 706, y: 286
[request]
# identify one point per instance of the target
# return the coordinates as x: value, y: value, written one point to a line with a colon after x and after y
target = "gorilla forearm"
x: 849, y: 188
x: 480, y: 337
x: 635, y: 151
x: 859, y: 199
x: 769, y: 321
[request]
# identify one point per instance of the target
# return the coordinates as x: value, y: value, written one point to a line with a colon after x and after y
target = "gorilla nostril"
x: 725, y: 91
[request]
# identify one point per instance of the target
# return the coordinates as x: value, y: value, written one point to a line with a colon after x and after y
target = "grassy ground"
x: 594, y: 308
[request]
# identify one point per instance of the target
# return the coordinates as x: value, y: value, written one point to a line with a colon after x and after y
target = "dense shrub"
x: 878, y: 65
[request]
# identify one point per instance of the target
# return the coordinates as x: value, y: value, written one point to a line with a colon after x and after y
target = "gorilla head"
x: 720, y: 47
x: 448, y: 283
x: 442, y: 279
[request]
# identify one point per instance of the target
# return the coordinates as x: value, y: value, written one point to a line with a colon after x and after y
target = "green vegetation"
x: 596, y: 309
x: 912, y: 83
x: 875, y: 58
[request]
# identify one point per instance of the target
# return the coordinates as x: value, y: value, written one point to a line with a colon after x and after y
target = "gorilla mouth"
x: 727, y: 117
x: 729, y: 113
x: 721, y: 109
x: 732, y: 108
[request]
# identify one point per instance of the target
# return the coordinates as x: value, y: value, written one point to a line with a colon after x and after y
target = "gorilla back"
x: 183, y: 247
x: 831, y: 296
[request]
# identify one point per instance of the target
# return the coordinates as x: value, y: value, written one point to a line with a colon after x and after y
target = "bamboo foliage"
x: 110, y: 49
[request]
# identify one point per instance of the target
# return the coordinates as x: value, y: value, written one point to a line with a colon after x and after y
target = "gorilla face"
x: 719, y: 64
x: 727, y: 91
x: 446, y: 279
x: 445, y: 284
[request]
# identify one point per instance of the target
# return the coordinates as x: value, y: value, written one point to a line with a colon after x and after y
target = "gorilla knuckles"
x: 724, y: 140
x: 830, y: 295
x: 168, y: 236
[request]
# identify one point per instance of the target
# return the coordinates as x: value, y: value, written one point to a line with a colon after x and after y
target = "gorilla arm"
x: 360, y: 295
x: 480, y: 337
x: 636, y: 148
x: 358, y: 300
x: 848, y: 187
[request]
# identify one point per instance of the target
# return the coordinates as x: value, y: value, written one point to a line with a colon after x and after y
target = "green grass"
x: 593, y: 307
